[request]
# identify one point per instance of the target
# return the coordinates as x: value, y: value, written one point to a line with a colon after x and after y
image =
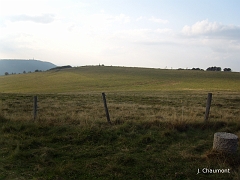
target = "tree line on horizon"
x: 55, y: 68
x: 218, y: 69
x: 213, y: 68
x: 24, y: 72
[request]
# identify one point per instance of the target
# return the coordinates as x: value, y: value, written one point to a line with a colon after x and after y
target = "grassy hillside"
x: 95, y: 79
x: 157, y: 132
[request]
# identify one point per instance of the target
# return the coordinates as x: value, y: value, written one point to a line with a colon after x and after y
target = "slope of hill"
x: 115, y: 79
x: 19, y: 65
x: 157, y: 131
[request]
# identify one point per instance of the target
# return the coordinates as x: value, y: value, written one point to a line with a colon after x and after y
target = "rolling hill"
x: 19, y: 65
x: 115, y: 79
x: 157, y: 132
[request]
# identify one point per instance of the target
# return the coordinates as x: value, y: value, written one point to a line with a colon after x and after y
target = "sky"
x: 162, y: 34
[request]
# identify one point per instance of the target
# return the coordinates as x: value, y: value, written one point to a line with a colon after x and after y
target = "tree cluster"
x: 214, y: 68
x: 24, y: 72
x: 197, y: 69
x: 227, y: 69
x: 218, y: 69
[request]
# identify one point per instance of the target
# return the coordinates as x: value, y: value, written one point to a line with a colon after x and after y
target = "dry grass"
x: 81, y: 109
x: 153, y: 136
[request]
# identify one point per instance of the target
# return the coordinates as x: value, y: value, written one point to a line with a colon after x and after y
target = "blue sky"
x: 144, y: 33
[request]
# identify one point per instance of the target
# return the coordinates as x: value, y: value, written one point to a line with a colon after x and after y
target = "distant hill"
x: 100, y: 79
x: 20, y: 65
x: 61, y: 67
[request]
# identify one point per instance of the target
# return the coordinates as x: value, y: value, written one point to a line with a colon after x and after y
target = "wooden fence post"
x: 106, y: 108
x: 35, y: 107
x: 208, y: 105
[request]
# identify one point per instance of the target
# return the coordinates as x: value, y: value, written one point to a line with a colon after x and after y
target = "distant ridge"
x: 20, y: 65
x: 61, y: 67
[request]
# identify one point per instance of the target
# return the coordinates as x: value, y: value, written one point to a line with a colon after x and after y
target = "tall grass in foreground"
x: 153, y: 136
x: 88, y: 108
x: 126, y: 150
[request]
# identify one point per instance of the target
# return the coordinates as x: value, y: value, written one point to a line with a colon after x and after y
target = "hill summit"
x: 20, y: 65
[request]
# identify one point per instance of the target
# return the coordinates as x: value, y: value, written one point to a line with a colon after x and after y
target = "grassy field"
x: 157, y: 132
x: 95, y: 79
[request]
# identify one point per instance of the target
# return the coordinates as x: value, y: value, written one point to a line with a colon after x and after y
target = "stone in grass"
x: 225, y: 142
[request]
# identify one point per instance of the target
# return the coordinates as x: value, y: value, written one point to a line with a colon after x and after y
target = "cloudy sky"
x: 139, y: 33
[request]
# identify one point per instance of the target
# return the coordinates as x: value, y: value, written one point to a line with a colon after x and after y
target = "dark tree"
x: 6, y: 73
x: 214, y: 68
x: 197, y: 69
x: 227, y: 69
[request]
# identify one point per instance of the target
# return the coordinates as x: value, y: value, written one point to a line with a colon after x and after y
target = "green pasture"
x: 157, y: 132
x: 102, y: 78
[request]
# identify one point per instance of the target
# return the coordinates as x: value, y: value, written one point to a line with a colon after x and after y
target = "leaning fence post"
x: 106, y: 108
x: 35, y: 107
x: 208, y: 105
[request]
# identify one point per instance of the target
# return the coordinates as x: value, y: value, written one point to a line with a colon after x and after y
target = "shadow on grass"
x: 231, y: 160
x: 126, y: 149
x: 183, y: 126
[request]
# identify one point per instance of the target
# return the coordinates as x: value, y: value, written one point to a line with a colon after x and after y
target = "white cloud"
x: 158, y: 20
x: 145, y: 36
x: 100, y: 23
x: 152, y: 19
x: 216, y: 36
x: 139, y: 18
x: 71, y: 27
x: 212, y: 29
x: 44, y: 18
x: 122, y: 18
x: 201, y: 27
x: 13, y: 7
x: 165, y: 31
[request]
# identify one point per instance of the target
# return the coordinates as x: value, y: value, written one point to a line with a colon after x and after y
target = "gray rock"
x: 225, y: 142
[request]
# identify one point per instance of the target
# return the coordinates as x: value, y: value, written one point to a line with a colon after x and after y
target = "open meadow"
x: 157, y: 132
